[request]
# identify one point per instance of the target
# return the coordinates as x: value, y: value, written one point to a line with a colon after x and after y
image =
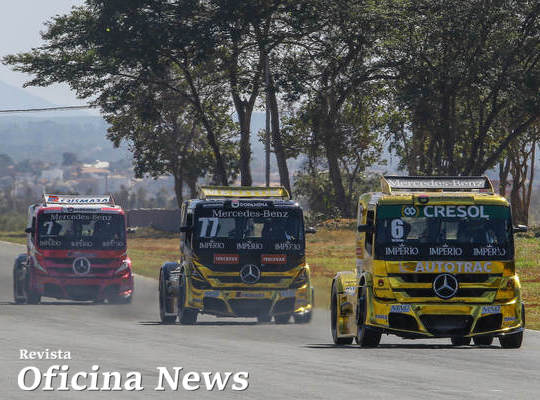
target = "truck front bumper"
x: 250, y: 302
x: 83, y: 288
x: 446, y: 319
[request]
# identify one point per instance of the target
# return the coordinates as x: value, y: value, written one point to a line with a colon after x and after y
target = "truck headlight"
x: 125, y: 266
x: 301, y: 279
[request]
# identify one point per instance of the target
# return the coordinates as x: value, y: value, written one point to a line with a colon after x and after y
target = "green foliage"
x: 468, y: 82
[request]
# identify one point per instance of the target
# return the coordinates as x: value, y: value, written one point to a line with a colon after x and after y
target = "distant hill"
x: 12, y: 97
x: 46, y: 138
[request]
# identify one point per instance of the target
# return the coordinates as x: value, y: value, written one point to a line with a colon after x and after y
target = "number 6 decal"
x: 397, y: 229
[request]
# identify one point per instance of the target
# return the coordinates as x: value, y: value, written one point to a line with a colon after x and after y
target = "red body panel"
x: 52, y: 273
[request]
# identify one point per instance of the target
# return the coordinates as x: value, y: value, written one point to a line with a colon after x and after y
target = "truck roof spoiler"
x: 391, y: 183
x: 68, y: 199
x: 245, y: 192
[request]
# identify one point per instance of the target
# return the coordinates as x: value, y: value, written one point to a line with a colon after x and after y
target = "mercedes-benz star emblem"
x: 445, y: 286
x: 250, y: 273
x: 81, y: 266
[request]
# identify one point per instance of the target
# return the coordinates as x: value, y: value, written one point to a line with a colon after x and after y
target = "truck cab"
x: 435, y: 259
x: 242, y: 254
x: 75, y: 249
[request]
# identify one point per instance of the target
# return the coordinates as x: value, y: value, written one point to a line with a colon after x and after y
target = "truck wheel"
x: 304, y: 318
x: 282, y: 319
x: 32, y: 297
x: 483, y: 340
x: 186, y: 316
x: 461, y: 341
x: 512, y: 341
x: 18, y: 297
x: 365, y: 336
x: 19, y: 281
x: 165, y: 319
x: 333, y: 320
x: 264, y: 318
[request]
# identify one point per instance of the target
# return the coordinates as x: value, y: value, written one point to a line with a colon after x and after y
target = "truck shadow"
x: 202, y: 323
x: 53, y: 303
x: 397, y: 346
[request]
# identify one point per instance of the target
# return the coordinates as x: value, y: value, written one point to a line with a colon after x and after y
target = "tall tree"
x: 463, y: 66
x: 166, y: 136
x: 337, y: 56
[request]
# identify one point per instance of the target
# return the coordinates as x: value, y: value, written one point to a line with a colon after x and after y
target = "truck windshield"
x: 249, y: 229
x: 92, y: 231
x: 466, y: 232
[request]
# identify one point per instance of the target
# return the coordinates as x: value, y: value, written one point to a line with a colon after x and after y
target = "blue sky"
x: 20, y: 24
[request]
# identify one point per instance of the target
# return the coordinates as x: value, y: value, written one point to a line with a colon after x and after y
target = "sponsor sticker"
x: 452, y: 267
x: 350, y: 290
x: 288, y: 293
x: 510, y: 319
x: 212, y: 293
x: 491, y: 309
x: 250, y: 295
x: 226, y: 258
x: 381, y: 316
x: 400, y: 308
x: 273, y: 259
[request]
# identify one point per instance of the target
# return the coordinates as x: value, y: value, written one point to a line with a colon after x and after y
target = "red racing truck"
x: 76, y: 249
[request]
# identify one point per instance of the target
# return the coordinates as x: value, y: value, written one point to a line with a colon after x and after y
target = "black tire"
x: 264, y: 318
x: 282, y: 319
x: 333, y: 320
x: 32, y: 297
x: 460, y: 341
x: 304, y: 318
x: 365, y: 336
x: 186, y: 316
x: 18, y: 297
x: 483, y: 340
x: 512, y: 341
x: 19, y: 281
x: 165, y: 319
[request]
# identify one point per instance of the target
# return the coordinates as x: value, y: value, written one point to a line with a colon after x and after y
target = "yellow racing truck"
x: 435, y: 259
x: 242, y: 254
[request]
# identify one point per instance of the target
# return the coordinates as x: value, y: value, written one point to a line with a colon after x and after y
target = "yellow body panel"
x: 397, y: 292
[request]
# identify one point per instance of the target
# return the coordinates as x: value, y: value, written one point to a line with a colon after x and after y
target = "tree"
x: 465, y: 69
x: 336, y: 58
x: 519, y: 167
x: 358, y: 126
x: 165, y: 135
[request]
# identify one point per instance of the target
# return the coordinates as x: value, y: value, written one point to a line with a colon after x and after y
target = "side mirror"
x: 29, y: 230
x: 365, y: 228
x: 186, y: 228
x: 520, y: 228
x: 311, y: 229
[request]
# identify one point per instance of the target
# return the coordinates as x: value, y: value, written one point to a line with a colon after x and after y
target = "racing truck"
x: 242, y: 254
x: 435, y: 259
x: 75, y: 249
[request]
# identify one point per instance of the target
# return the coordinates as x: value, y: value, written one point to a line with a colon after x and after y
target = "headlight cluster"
x: 197, y: 279
x: 301, y: 279
x: 123, y: 268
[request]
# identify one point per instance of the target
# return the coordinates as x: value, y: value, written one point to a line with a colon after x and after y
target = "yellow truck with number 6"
x: 435, y: 259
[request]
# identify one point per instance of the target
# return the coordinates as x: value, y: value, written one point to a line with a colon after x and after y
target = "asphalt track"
x: 284, y: 361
